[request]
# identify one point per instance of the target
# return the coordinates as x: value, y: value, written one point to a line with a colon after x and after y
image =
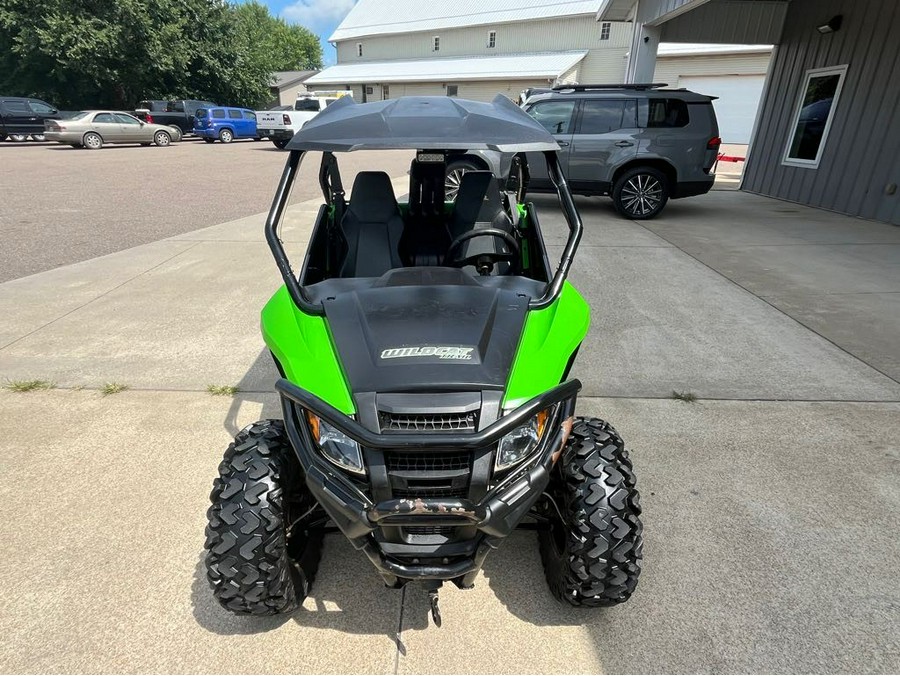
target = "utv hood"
x: 426, y: 338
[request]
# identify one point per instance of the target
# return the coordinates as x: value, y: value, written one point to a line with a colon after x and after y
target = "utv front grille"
x: 429, y: 474
x: 427, y: 462
x: 412, y: 492
x: 446, y: 531
x: 428, y: 422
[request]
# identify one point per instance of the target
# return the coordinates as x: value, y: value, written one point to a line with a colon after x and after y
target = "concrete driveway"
x: 772, y: 504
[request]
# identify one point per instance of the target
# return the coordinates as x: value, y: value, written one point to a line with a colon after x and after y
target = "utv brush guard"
x: 424, y: 350
x: 496, y: 515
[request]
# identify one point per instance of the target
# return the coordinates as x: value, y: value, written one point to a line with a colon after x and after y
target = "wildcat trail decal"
x: 439, y: 351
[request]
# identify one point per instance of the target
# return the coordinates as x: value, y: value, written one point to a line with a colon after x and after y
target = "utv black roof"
x: 423, y: 123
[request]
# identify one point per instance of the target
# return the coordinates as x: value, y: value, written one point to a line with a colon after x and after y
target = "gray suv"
x: 640, y: 144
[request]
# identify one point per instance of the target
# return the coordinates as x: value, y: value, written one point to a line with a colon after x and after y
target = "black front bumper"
x: 489, y: 519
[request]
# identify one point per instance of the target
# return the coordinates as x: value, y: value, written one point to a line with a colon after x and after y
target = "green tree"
x: 269, y: 39
x: 84, y: 53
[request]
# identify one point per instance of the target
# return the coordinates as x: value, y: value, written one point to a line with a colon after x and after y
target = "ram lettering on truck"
x: 281, y: 125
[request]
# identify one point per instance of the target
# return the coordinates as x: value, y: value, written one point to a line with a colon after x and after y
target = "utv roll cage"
x: 426, y: 125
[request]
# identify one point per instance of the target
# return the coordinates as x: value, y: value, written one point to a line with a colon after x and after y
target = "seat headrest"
x: 372, y: 197
x: 478, y: 196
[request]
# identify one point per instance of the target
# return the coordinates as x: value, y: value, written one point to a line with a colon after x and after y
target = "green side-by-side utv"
x: 424, y: 350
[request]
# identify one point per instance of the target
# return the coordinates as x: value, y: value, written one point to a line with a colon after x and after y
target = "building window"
x: 436, y: 47
x: 814, y: 115
x: 370, y: 91
x: 452, y: 90
x: 492, y: 39
x: 605, y: 27
x: 359, y: 49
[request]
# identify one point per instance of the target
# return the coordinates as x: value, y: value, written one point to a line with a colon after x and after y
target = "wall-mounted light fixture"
x: 833, y: 25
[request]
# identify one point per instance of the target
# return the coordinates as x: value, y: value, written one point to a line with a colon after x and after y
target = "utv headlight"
x: 336, y: 446
x: 521, y: 442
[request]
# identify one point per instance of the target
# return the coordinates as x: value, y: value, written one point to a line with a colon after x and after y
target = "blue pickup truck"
x: 225, y: 124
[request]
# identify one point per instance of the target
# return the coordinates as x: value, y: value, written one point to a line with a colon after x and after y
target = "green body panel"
x: 549, y: 338
x: 303, y: 346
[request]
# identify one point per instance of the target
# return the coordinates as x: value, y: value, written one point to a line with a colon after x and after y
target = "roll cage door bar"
x: 333, y: 192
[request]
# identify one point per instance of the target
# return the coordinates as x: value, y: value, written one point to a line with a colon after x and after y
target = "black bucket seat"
x: 372, y: 227
x: 479, y: 205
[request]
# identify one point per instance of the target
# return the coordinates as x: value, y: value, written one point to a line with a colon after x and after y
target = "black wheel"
x: 455, y: 171
x: 641, y: 193
x: 261, y: 550
x: 592, y: 549
x: 210, y: 140
x: 226, y: 136
x: 280, y: 144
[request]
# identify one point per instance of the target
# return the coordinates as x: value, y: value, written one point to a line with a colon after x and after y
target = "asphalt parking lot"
x: 772, y: 503
x: 62, y: 205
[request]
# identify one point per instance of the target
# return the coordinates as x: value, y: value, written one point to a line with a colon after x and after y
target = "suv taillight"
x: 148, y: 119
x: 713, y: 143
x: 285, y: 119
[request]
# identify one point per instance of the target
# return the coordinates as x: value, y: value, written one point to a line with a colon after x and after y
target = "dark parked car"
x: 23, y: 117
x: 176, y: 113
x: 225, y: 124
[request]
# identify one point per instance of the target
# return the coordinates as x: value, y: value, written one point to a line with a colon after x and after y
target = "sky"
x: 320, y: 16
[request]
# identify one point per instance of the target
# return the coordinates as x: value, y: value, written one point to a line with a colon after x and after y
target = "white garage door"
x: 737, y: 103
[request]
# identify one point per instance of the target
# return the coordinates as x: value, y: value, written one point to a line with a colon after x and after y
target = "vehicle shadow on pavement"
x: 257, y: 386
x: 592, y: 208
x: 212, y: 617
x: 107, y: 146
x: 347, y: 596
x: 514, y: 574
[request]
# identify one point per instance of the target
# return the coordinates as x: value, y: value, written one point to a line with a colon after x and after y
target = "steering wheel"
x: 480, y: 259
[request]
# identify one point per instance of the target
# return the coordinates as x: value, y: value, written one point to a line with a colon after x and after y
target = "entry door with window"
x: 604, y: 138
x: 556, y: 117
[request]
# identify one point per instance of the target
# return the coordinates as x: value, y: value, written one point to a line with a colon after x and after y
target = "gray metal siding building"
x: 828, y: 130
x: 859, y: 169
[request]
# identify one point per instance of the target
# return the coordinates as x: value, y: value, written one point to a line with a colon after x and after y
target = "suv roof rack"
x: 585, y: 87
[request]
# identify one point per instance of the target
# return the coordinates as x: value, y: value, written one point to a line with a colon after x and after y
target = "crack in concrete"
x: 102, y: 295
x: 399, y: 647
x: 582, y: 397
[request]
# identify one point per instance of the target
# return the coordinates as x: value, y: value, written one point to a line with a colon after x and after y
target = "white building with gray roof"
x: 473, y: 49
